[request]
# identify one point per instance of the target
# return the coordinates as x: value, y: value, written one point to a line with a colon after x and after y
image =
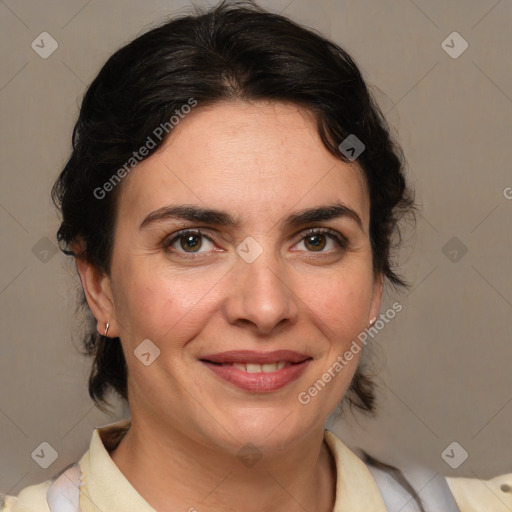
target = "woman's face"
x: 219, y: 293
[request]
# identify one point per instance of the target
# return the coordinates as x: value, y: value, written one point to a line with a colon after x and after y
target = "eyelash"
x: 339, y: 239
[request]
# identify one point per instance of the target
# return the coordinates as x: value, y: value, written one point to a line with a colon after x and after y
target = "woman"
x: 230, y: 201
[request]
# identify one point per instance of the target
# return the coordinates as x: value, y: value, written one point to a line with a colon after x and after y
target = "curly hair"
x: 235, y: 50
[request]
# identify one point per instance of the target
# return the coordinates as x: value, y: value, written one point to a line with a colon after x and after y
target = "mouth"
x: 258, y: 371
x: 257, y: 368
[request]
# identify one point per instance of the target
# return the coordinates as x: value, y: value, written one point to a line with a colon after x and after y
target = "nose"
x: 261, y: 296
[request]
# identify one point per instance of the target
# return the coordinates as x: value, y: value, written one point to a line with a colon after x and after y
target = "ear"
x: 98, y: 292
x: 376, y: 297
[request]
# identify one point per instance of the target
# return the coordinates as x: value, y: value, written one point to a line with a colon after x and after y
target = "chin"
x: 270, y: 428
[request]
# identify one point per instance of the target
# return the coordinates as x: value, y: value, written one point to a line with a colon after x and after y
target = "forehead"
x: 260, y: 158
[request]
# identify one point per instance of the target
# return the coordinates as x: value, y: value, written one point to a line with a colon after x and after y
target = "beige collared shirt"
x: 105, y: 489
x: 474, y: 495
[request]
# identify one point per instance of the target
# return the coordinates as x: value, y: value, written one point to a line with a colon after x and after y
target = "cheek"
x: 155, y: 304
x: 340, y: 302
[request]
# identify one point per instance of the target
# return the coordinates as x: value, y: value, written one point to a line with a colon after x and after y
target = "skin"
x: 259, y: 161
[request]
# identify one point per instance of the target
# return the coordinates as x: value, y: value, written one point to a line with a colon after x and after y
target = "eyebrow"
x: 194, y: 213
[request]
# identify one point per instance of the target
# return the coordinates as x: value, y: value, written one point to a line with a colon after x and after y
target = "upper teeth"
x: 258, y: 368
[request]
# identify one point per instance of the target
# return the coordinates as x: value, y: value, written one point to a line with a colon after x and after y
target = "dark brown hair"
x: 235, y: 50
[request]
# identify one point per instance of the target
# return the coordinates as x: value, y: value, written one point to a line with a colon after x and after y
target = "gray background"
x: 443, y: 364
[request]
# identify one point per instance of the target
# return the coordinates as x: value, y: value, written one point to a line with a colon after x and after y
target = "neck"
x: 171, y: 471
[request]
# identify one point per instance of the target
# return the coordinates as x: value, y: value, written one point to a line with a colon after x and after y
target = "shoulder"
x: 419, y: 488
x: 30, y: 499
x: 415, y: 489
x: 475, y: 495
x: 61, y: 490
x: 61, y: 493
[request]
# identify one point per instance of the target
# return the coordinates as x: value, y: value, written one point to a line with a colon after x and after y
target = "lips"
x: 258, y: 371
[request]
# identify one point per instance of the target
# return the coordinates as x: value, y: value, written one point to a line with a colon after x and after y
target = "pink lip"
x: 257, y: 382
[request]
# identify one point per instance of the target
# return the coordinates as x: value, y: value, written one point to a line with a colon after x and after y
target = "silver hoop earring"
x: 106, y: 329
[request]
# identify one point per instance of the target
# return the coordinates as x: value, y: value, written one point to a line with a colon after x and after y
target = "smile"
x: 256, y: 371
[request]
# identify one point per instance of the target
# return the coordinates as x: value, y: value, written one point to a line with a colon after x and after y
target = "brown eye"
x: 323, y: 241
x: 315, y: 242
x: 190, y: 242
